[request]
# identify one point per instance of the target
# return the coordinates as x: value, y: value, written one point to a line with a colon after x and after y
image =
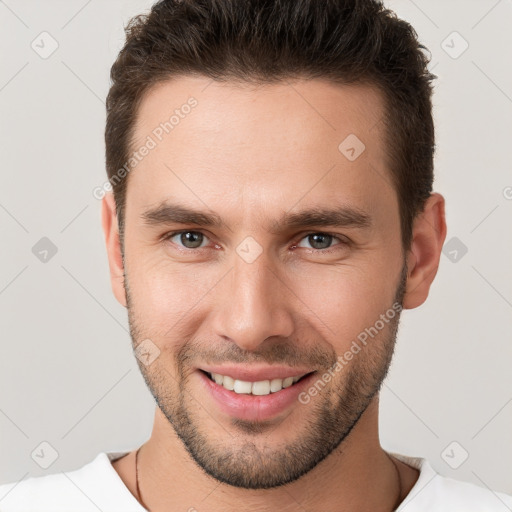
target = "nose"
x: 253, y: 304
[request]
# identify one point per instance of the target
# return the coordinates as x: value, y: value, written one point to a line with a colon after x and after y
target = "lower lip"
x: 253, y: 407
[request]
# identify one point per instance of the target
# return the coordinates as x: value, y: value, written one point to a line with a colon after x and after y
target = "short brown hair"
x: 266, y: 41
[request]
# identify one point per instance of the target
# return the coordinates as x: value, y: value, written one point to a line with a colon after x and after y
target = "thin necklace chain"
x: 139, y: 497
x: 398, y: 500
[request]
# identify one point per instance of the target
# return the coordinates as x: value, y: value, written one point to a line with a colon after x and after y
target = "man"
x: 272, y: 214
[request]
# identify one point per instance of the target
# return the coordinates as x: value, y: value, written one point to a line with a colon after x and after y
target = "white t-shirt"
x: 97, y: 486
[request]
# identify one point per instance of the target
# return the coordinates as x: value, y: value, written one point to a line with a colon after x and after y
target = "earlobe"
x: 429, y: 233
x: 113, y: 244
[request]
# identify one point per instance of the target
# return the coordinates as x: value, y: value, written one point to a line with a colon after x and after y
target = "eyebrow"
x: 168, y: 213
x: 342, y: 216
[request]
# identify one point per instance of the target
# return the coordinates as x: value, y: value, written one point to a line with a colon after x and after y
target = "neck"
x: 358, y: 475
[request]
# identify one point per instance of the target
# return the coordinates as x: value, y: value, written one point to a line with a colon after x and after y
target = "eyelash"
x: 343, y: 241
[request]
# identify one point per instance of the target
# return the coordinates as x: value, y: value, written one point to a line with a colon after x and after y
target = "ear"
x: 429, y: 232
x: 113, y: 242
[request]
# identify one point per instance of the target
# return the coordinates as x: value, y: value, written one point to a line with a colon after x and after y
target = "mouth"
x: 256, y: 388
x: 261, y: 400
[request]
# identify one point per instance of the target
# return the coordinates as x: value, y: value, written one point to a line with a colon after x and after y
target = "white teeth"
x: 260, y: 388
x: 228, y: 383
x: 287, y: 382
x: 242, y: 387
x: 276, y: 385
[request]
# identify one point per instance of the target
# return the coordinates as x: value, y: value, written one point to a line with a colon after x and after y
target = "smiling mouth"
x: 259, y: 388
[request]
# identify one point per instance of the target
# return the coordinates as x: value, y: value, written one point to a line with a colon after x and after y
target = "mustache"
x: 286, y: 353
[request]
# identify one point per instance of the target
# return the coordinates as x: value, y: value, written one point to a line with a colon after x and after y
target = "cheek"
x: 165, y: 297
x: 345, y: 301
x: 163, y: 307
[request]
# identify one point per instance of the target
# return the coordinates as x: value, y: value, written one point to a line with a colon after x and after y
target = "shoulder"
x: 94, y: 486
x: 433, y: 491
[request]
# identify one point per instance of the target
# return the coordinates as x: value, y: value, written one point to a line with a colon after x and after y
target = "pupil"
x: 320, y: 239
x: 191, y: 239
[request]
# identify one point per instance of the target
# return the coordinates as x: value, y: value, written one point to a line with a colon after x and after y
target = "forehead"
x: 279, y: 142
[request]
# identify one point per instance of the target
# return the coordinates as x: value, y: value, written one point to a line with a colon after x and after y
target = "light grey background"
x: 67, y: 373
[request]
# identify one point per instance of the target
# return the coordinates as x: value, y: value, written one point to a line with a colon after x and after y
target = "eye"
x: 188, y: 239
x: 320, y: 241
x: 195, y: 240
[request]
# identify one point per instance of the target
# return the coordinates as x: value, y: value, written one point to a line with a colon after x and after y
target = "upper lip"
x: 255, y: 374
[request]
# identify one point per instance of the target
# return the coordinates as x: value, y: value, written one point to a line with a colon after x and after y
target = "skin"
x: 250, y: 154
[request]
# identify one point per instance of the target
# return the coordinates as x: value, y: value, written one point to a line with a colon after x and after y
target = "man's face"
x: 256, y: 290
